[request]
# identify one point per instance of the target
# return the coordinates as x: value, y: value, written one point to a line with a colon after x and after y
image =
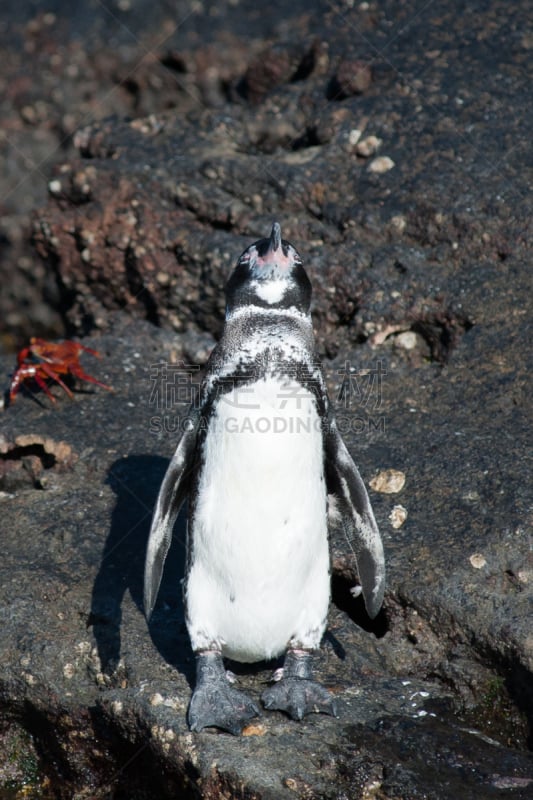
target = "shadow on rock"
x: 136, y: 481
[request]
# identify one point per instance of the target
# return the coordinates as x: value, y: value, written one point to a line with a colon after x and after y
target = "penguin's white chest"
x: 259, y: 573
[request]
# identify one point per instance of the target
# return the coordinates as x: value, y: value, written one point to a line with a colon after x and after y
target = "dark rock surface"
x: 414, y: 235
x: 458, y: 637
x: 435, y: 695
x: 148, y: 208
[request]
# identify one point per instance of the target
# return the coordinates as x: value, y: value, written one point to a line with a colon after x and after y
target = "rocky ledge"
x: 392, y: 150
x: 434, y: 695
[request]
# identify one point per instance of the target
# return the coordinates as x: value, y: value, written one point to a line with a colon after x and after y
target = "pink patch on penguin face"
x: 274, y: 258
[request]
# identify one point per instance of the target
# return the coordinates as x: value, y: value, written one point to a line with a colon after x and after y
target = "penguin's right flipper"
x: 172, y: 494
x: 358, y: 522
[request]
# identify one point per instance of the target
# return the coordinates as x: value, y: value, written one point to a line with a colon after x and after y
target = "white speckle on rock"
x: 399, y: 223
x: 419, y: 694
x: 163, y: 278
x: 510, y: 782
x: 406, y: 340
x: 54, y: 187
x: 371, y: 789
x: 368, y: 146
x: 478, y: 560
x: 176, y: 703
x: 117, y: 706
x: 472, y: 496
x: 354, y: 136
x: 382, y: 334
x: 397, y: 516
x: 156, y: 699
x: 164, y: 735
x: 69, y: 670
x: 381, y: 164
x: 388, y: 481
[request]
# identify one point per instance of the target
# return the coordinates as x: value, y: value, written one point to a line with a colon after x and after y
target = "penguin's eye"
x: 248, y: 256
x: 295, y: 257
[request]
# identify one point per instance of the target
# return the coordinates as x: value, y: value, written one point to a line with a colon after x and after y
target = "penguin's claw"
x: 298, y: 697
x: 217, y: 705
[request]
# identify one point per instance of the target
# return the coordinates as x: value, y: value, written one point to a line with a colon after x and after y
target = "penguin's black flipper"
x: 172, y: 494
x: 356, y: 516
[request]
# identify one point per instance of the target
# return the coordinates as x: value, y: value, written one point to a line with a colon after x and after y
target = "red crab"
x: 44, y: 360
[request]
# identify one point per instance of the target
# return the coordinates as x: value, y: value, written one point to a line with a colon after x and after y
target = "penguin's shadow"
x: 135, y: 481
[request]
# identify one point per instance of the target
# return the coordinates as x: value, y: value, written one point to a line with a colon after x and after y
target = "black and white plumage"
x: 257, y: 464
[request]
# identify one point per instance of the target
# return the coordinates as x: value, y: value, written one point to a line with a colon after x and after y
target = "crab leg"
x: 43, y: 385
x: 52, y: 374
x: 90, y: 350
x: 79, y: 373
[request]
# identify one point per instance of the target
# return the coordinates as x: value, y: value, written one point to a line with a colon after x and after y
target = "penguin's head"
x: 269, y: 274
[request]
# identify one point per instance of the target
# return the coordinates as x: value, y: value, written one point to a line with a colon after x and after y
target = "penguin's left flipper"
x: 172, y: 494
x: 357, y: 518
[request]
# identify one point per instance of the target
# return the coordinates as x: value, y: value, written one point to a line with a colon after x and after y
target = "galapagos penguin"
x: 257, y: 462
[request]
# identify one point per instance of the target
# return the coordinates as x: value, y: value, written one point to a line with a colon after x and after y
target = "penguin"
x: 260, y: 463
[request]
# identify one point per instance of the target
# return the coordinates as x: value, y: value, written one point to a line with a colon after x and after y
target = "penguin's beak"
x: 271, y: 252
x: 275, y: 238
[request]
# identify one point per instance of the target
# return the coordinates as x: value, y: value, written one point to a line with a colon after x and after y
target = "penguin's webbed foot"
x: 214, y: 703
x: 298, y: 697
x: 295, y: 693
x: 220, y: 706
